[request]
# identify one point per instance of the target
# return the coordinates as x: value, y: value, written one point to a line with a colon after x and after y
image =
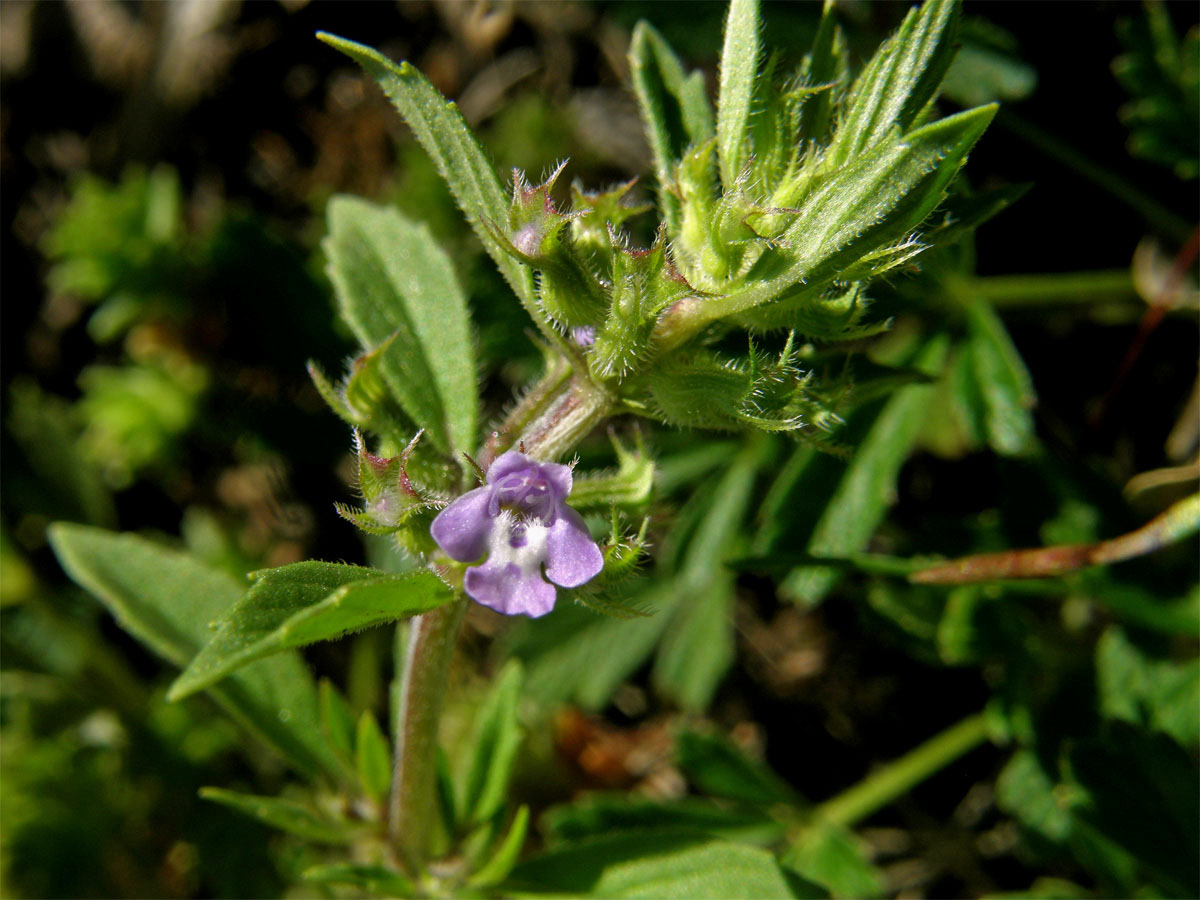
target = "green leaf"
x: 494, y: 745
x: 735, y: 91
x: 166, y: 600
x: 1004, y: 383
x: 1156, y: 693
x: 697, y: 648
x: 715, y: 766
x: 303, y: 603
x: 1026, y: 791
x: 502, y: 861
x: 396, y: 285
x: 337, y: 720
x: 865, y: 491
x: 674, y: 109
x: 663, y: 865
x: 376, y: 880
x: 832, y: 857
x: 575, y: 655
x: 286, y: 815
x: 823, y: 65
x: 900, y: 80
x: 605, y: 814
x: 373, y: 758
x: 1152, y: 809
x: 440, y: 129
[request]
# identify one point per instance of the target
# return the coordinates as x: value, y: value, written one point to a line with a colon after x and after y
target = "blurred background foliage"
x: 165, y: 170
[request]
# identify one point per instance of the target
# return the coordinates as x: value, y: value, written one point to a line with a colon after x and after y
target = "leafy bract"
x: 167, y: 599
x: 872, y: 202
x: 397, y: 287
x: 739, y: 65
x: 303, y: 603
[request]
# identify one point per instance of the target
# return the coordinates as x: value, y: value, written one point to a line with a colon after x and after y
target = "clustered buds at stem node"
x: 520, y: 522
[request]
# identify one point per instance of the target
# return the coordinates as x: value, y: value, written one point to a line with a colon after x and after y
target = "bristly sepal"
x: 391, y: 501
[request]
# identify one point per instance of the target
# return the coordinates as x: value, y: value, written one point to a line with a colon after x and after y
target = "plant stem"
x: 1009, y: 291
x: 566, y: 420
x: 900, y: 776
x: 431, y: 641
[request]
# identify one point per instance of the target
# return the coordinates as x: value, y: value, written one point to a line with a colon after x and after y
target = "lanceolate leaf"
x: 494, y: 746
x: 440, y: 128
x: 1003, y: 381
x: 674, y: 108
x: 373, y: 758
x: 167, y: 600
x: 396, y: 286
x: 865, y: 490
x: 739, y: 65
x: 303, y: 603
x: 901, y: 79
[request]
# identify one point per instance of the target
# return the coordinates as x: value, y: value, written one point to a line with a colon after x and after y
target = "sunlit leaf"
x: 303, y: 603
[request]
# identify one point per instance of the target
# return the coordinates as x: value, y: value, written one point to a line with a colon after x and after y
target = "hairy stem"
x: 426, y: 666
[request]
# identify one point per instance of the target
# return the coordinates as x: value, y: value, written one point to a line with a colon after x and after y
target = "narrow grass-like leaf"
x: 866, y: 489
x: 674, y: 109
x: 303, y: 603
x: 454, y: 149
x: 900, y: 80
x: 396, y: 285
x: 375, y: 880
x: 502, y: 861
x: 735, y: 92
x: 373, y: 758
x: 1004, y: 383
x: 337, y: 720
x: 286, y: 815
x: 494, y: 745
x: 166, y: 599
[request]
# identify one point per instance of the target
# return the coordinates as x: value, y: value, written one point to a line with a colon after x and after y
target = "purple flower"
x: 520, y: 520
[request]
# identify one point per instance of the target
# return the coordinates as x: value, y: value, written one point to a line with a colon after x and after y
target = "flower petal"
x: 572, y: 557
x: 463, y: 527
x: 509, y: 589
x: 557, y: 474
x: 506, y: 464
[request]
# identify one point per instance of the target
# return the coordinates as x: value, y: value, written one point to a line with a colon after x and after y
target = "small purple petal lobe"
x: 463, y: 527
x: 507, y: 589
x: 572, y: 557
x: 507, y: 464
